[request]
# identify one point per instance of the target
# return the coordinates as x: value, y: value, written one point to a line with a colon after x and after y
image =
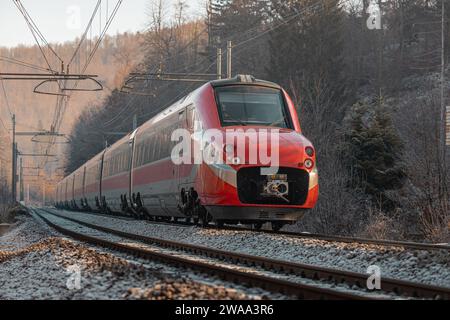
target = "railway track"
x: 398, y: 288
x: 271, y: 284
x: 315, y: 236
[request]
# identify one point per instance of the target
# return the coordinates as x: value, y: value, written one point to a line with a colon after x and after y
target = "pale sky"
x: 58, y: 19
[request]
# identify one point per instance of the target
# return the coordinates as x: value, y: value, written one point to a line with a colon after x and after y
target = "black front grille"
x: 250, y: 184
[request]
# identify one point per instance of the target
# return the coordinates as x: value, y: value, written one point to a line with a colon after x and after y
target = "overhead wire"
x: 36, y: 33
x: 83, y: 37
x: 22, y: 63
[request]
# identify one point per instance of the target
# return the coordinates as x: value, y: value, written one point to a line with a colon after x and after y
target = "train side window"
x: 111, y: 166
x: 190, y: 117
x: 152, y: 148
x: 147, y: 151
x: 156, y: 147
x: 164, y: 143
x: 161, y: 145
x: 136, y: 156
x: 139, y: 159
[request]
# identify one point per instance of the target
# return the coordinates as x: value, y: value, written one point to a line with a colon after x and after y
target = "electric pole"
x: 43, y: 193
x: 14, y: 159
x: 219, y: 63
x: 443, y: 120
x: 21, y: 180
x: 229, y: 52
x: 28, y: 194
x: 442, y: 116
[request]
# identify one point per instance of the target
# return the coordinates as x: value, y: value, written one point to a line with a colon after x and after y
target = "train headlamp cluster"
x: 309, y: 151
x: 236, y: 161
x: 309, y: 163
x: 229, y: 149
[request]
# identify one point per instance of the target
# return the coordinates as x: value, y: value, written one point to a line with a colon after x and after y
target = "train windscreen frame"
x: 240, y: 105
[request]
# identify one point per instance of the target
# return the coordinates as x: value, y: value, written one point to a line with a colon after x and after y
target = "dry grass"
x: 8, y: 213
x: 380, y: 226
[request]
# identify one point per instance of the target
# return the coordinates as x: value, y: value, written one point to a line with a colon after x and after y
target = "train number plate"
x: 278, y: 177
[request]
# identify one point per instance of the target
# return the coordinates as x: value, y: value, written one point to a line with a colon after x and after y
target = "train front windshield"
x: 252, y: 106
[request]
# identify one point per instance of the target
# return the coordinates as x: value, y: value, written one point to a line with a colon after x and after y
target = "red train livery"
x: 138, y: 175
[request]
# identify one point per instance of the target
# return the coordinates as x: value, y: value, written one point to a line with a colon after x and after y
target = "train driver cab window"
x: 252, y: 106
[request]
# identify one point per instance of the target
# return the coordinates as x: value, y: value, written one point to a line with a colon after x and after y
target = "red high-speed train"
x: 140, y: 174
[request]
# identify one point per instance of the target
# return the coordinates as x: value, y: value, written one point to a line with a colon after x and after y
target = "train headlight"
x: 309, y: 151
x: 229, y: 149
x: 236, y: 161
x: 309, y: 163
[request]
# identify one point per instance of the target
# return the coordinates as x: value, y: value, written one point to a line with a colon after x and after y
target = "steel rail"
x: 336, y: 276
x: 301, y: 291
x: 317, y: 236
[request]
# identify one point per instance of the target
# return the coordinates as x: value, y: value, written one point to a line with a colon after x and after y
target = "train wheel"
x: 220, y: 223
x: 258, y: 225
x: 204, y: 219
x: 276, y: 226
x: 203, y: 222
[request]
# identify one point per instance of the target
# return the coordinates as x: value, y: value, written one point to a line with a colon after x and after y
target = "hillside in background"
x: 114, y: 59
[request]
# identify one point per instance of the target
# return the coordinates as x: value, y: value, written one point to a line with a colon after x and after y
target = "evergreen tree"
x: 375, y: 153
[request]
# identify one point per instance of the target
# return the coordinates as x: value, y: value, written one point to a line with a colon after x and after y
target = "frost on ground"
x: 37, y: 263
x: 425, y: 266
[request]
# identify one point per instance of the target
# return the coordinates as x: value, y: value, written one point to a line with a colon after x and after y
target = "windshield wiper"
x: 273, y: 124
x: 235, y: 120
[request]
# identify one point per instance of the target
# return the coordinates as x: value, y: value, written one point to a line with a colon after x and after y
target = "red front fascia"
x: 216, y: 192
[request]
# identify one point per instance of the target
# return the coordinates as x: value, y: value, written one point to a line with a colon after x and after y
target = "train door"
x: 130, y: 157
x: 177, y: 169
x: 185, y: 176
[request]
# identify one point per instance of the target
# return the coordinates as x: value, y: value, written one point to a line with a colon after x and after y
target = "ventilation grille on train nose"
x: 250, y: 184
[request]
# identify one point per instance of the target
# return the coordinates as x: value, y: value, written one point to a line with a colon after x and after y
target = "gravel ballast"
x: 423, y: 266
x: 39, y: 263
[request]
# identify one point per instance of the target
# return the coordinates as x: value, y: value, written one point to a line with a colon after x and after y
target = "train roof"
x: 244, y: 79
x: 237, y: 80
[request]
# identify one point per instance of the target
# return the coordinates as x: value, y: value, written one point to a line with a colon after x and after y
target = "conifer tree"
x: 375, y: 152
